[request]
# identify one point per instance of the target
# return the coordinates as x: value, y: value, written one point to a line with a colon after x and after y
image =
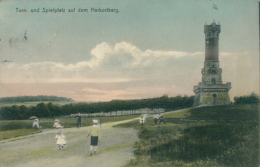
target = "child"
x: 57, y: 124
x: 60, y: 139
x: 142, y: 119
x: 94, y: 132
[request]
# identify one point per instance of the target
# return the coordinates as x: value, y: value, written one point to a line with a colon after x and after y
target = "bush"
x: 252, y: 98
x: 229, y: 143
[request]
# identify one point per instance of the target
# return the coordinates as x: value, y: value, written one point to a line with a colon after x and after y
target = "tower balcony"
x: 212, y: 87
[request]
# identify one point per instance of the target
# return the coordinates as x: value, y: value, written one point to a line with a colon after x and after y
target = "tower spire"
x: 211, y: 41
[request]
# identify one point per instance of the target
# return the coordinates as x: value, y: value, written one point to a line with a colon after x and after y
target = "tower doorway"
x: 214, y: 96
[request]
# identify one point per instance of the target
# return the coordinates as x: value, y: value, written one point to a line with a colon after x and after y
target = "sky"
x: 140, y: 49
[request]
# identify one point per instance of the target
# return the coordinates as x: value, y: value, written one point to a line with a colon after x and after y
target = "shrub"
x: 252, y: 98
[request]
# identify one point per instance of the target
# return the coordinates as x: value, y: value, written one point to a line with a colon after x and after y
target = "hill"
x: 205, y: 136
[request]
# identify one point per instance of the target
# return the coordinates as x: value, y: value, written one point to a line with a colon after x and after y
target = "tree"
x: 24, y: 112
x: 6, y: 113
x: 252, y: 98
x: 42, y: 110
x: 15, y: 112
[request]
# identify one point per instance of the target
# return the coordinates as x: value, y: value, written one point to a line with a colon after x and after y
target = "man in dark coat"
x: 78, y: 121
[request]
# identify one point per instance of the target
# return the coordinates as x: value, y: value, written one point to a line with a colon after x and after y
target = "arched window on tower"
x: 213, y: 81
x: 216, y: 34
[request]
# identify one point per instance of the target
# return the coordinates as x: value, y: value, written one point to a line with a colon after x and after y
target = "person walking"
x: 94, y: 132
x: 78, y: 121
x: 60, y: 139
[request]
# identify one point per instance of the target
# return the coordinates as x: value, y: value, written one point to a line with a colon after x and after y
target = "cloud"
x: 51, y: 72
x: 127, y: 55
x: 111, y: 93
x: 105, y: 65
x: 65, y: 91
x: 125, y: 62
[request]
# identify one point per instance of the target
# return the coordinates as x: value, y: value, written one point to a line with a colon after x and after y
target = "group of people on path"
x: 93, y: 132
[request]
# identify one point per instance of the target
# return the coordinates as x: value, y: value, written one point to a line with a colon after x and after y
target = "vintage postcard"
x: 129, y: 83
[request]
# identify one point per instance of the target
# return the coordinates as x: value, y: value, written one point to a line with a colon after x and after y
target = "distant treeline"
x: 33, y: 98
x: 252, y: 98
x: 43, y: 110
x: 50, y: 110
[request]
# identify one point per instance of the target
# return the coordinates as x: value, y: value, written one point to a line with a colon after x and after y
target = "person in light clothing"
x: 60, y: 139
x: 94, y: 132
x: 57, y: 124
x: 142, y: 119
x: 35, y: 123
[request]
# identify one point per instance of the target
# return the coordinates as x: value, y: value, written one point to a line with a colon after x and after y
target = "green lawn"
x: 15, y: 124
x: 16, y: 133
x: 182, y: 114
x: 204, y: 138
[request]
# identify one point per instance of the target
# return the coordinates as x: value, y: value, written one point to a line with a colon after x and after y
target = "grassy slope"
x: 208, y: 142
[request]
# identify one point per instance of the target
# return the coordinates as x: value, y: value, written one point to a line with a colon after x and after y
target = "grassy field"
x: 16, y: 133
x: 182, y: 114
x: 208, y: 136
x: 14, y: 128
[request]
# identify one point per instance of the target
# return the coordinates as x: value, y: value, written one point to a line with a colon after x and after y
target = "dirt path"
x: 115, y: 149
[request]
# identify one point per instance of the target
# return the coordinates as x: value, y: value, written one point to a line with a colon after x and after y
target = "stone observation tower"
x: 211, y: 91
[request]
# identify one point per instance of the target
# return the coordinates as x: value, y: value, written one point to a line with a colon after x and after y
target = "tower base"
x: 211, y: 95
